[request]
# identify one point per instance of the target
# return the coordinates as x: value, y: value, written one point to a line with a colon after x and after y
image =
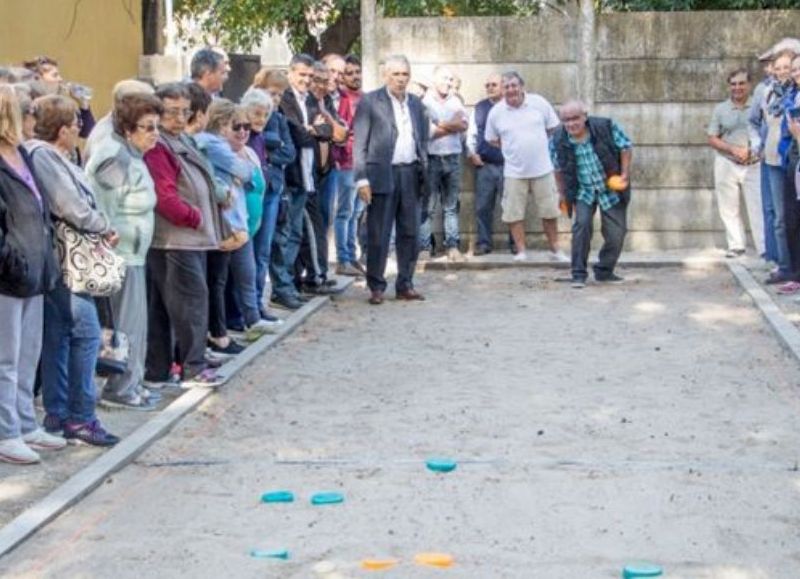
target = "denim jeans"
x: 357, y: 228
x: 770, y: 244
x: 242, y: 281
x: 777, y: 180
x: 288, y: 237
x: 444, y: 179
x: 329, y: 188
x: 488, y: 189
x: 262, y: 241
x: 69, y: 355
x: 346, y: 196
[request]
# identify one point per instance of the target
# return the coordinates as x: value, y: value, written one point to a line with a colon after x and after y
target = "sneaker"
x: 15, y: 451
x: 348, y: 269
x: 260, y: 328
x: 91, y: 433
x: 40, y: 440
x: 231, y: 349
x: 520, y: 256
x: 789, y: 288
x: 133, y: 401
x: 288, y: 303
x: 205, y: 379
x: 732, y: 253
x: 360, y: 266
x: 578, y: 283
x: 777, y: 277
x: 270, y: 317
x: 454, y: 255
x: 53, y: 424
x: 481, y: 250
x: 148, y: 394
x: 559, y: 257
x: 609, y: 278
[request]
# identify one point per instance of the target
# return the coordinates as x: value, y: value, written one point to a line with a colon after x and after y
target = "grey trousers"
x: 129, y: 305
x: 613, y: 226
x: 20, y: 348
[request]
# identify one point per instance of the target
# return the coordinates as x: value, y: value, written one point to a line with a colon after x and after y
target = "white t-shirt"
x: 444, y: 111
x: 522, y: 132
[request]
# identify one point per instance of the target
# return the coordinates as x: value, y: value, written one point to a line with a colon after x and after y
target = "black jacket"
x: 375, y: 134
x: 28, y: 264
x: 300, y: 136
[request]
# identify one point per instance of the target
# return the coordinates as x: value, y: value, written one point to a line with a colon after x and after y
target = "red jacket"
x: 164, y: 169
x: 343, y: 154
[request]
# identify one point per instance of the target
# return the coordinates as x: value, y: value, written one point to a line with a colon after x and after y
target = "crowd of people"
x: 200, y: 213
x: 755, y: 134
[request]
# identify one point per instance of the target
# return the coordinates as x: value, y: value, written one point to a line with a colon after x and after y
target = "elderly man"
x: 448, y: 122
x: 520, y: 126
x: 586, y: 152
x: 488, y: 163
x: 390, y: 164
x: 736, y: 170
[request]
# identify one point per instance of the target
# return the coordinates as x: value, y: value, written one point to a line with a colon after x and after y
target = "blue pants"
x: 288, y: 238
x: 770, y: 244
x: 444, y: 179
x: 777, y: 179
x: 69, y: 355
x: 344, y: 226
x: 262, y: 241
x: 488, y: 189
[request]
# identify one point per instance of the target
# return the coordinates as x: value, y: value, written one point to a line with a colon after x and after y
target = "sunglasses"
x: 241, y: 127
x: 151, y: 128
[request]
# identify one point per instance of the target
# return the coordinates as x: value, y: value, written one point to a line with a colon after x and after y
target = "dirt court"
x: 657, y: 420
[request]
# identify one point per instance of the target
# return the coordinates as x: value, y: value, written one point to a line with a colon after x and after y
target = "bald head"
x: 494, y: 87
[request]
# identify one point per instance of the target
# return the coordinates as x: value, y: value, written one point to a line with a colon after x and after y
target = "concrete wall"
x: 96, y: 42
x: 658, y: 73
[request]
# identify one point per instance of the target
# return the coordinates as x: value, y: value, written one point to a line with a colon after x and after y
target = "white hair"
x: 397, y: 59
x: 574, y: 104
x: 256, y: 97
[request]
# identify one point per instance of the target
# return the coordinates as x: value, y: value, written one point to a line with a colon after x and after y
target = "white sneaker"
x: 520, y: 256
x: 559, y: 257
x: 15, y: 451
x: 41, y: 440
x: 260, y: 328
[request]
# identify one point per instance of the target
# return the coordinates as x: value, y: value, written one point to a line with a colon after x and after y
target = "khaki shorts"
x: 515, y: 197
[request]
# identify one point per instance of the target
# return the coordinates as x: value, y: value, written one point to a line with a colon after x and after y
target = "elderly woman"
x: 27, y: 270
x: 72, y: 329
x: 237, y: 173
x: 276, y: 150
x: 126, y: 193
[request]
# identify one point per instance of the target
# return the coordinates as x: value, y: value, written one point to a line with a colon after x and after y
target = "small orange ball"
x: 616, y: 183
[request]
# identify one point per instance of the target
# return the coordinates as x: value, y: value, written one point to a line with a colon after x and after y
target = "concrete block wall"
x: 658, y: 73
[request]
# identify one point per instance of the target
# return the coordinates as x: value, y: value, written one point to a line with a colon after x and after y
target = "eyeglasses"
x: 151, y: 128
x: 241, y: 127
x: 185, y: 113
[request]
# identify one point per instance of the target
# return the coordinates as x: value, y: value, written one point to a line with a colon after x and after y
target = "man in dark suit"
x: 304, y: 126
x: 390, y: 164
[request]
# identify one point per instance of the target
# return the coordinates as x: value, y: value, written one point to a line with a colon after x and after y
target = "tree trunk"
x: 338, y: 38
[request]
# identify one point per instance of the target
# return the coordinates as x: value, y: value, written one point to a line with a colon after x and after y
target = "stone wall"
x: 658, y: 73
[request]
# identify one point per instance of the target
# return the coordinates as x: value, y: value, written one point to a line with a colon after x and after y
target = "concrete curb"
x: 503, y: 261
x: 90, y: 477
x: 786, y: 330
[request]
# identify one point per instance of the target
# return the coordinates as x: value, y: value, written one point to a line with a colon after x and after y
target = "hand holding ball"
x: 617, y: 183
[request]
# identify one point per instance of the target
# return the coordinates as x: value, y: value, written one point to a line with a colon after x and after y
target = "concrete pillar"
x: 587, y: 59
x: 369, y: 44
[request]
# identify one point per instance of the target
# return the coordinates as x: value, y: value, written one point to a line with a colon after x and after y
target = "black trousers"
x: 177, y: 299
x: 218, y: 264
x: 399, y: 209
x: 312, y: 261
x: 613, y: 225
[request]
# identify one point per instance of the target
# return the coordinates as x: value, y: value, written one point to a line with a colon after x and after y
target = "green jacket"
x: 125, y: 191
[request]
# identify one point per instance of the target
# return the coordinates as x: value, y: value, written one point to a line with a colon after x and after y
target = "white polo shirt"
x: 522, y: 132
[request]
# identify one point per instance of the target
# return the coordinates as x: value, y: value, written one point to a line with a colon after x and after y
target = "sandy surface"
x: 656, y: 420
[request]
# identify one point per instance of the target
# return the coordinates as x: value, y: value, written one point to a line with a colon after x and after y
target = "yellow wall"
x: 99, y: 49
